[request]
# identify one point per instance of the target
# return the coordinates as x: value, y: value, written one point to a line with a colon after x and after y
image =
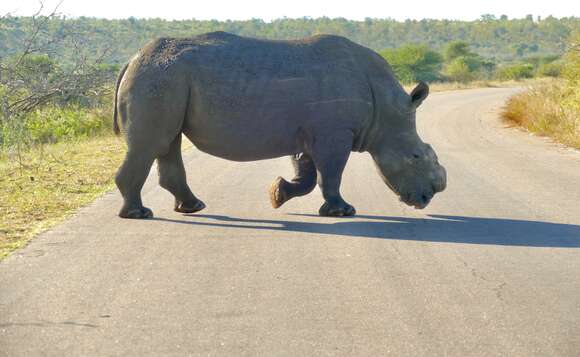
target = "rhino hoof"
x: 343, y: 210
x: 136, y: 213
x: 277, y: 193
x: 189, y: 206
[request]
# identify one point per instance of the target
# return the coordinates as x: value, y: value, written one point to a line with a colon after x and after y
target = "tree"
x: 462, y: 65
x: 456, y: 49
x: 412, y: 63
x: 459, y: 70
x: 488, y: 17
x: 32, y: 77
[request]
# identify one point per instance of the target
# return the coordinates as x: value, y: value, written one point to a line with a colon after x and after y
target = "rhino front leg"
x: 330, y: 157
x: 302, y: 184
x: 172, y: 177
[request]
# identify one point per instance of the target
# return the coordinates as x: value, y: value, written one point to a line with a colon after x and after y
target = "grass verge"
x: 547, y: 109
x: 42, y: 186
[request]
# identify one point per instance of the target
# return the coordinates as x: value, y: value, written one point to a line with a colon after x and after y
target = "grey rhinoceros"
x: 244, y: 99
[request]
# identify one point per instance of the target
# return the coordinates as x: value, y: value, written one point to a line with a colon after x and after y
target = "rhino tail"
x: 116, y: 129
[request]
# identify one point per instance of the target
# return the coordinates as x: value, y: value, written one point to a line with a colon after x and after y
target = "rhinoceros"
x: 315, y: 100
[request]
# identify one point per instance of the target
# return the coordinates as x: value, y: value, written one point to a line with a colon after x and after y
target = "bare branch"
x: 37, y: 26
x: 39, y: 11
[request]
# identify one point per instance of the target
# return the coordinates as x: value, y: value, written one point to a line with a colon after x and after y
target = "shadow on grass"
x: 435, y: 228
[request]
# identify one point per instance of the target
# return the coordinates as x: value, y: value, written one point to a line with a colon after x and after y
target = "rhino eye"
x: 416, y: 156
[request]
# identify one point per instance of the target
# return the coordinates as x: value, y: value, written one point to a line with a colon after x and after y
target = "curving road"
x: 491, y: 267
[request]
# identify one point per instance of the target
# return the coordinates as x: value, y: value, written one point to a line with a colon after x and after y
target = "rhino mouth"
x: 418, y: 201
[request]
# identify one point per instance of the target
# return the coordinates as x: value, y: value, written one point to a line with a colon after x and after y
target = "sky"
x: 273, y: 9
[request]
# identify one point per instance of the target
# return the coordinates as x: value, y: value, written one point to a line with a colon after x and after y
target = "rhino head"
x: 407, y: 165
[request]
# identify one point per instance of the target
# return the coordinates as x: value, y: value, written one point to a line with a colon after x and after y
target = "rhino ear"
x: 419, y: 94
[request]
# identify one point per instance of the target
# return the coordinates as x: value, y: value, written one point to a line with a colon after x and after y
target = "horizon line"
x: 494, y: 17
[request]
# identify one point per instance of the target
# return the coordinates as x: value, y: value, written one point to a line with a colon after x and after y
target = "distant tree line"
x: 496, y: 39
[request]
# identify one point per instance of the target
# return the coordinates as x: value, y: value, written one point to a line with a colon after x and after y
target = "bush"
x: 571, y: 73
x: 553, y: 69
x: 458, y: 71
x: 53, y: 124
x: 464, y: 65
x: 456, y: 49
x: 463, y: 69
x: 571, y: 70
x: 515, y: 72
x: 412, y: 63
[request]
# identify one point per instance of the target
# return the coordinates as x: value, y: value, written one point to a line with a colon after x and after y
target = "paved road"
x: 491, y: 267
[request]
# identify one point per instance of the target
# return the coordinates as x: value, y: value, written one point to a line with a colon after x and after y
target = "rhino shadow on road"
x: 436, y: 228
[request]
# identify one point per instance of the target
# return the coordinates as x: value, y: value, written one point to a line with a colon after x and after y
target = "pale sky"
x: 268, y: 10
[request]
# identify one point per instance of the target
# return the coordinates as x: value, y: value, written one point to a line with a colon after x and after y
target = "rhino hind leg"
x: 172, y: 177
x: 130, y: 179
x: 330, y: 156
x: 152, y: 129
x: 302, y: 184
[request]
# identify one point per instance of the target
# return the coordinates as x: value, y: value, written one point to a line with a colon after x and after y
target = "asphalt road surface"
x: 491, y: 267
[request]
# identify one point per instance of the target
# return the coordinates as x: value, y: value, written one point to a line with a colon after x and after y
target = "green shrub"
x: 53, y: 124
x: 462, y: 65
x: 553, y: 69
x: 412, y: 63
x: 455, y: 49
x: 515, y: 72
x: 460, y: 69
x: 571, y: 70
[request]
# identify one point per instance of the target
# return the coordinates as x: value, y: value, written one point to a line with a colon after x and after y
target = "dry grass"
x: 549, y: 109
x: 42, y: 186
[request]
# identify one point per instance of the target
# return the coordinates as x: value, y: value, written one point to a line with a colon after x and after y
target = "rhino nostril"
x: 439, y: 185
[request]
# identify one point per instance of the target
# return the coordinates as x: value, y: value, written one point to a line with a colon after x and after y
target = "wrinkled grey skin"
x: 244, y: 99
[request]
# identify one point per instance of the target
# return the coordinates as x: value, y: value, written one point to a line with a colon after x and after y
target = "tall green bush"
x: 463, y: 65
x: 412, y: 63
x: 459, y: 70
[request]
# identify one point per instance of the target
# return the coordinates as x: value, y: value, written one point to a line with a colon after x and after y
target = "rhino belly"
x: 243, y: 139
